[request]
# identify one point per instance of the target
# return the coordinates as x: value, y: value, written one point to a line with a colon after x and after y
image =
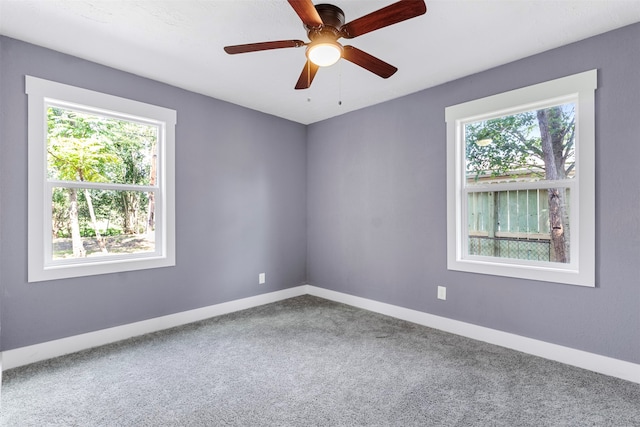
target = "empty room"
x: 295, y: 213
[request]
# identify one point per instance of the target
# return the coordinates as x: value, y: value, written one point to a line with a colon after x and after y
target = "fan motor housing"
x: 332, y: 19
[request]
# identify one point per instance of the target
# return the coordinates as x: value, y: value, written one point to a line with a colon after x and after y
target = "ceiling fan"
x: 325, y: 25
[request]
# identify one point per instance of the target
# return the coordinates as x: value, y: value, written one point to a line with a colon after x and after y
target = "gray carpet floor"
x: 310, y: 362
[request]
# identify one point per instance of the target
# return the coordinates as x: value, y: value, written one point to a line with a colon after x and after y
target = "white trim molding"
x: 570, y: 356
x: 50, y: 349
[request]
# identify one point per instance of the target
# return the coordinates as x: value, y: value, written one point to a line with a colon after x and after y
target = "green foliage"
x: 516, y: 147
x: 88, y: 147
x: 510, y: 149
x: 86, y: 231
x: 134, y: 144
x: 60, y: 213
x: 77, y: 146
x: 531, y: 145
x: 79, y: 160
x: 62, y: 234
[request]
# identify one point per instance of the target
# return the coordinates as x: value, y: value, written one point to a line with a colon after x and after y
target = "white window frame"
x: 42, y: 93
x: 578, y: 88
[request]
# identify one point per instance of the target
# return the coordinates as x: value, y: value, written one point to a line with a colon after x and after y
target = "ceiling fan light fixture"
x: 325, y: 24
x: 325, y: 53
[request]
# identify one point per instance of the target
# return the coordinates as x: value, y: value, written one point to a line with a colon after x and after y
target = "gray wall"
x: 377, y: 207
x: 374, y: 223
x: 241, y: 207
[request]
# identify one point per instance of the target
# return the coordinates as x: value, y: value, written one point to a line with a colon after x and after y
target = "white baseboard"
x: 47, y: 350
x: 570, y: 356
x: 582, y: 359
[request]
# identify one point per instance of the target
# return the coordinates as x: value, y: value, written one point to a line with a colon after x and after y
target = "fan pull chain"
x: 340, y: 84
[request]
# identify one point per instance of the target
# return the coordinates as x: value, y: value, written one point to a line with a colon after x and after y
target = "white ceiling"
x: 180, y: 42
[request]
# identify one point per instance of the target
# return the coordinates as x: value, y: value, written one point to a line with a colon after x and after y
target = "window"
x: 520, y: 182
x: 101, y: 183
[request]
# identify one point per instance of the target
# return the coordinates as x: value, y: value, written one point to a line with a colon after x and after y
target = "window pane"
x: 529, y: 146
x: 90, y: 223
x: 88, y: 147
x: 520, y: 224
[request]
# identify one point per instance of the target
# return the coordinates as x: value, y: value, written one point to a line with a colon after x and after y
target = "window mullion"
x: 507, y: 186
x: 102, y: 185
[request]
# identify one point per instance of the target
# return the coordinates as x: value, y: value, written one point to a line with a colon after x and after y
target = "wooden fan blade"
x: 255, y: 47
x: 306, y: 77
x: 307, y: 12
x: 368, y: 62
x: 392, y: 14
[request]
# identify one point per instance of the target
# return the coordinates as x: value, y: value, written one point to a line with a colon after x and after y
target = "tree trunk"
x: 130, y: 204
x: 76, y: 239
x: 94, y: 222
x: 556, y: 215
x: 552, y: 136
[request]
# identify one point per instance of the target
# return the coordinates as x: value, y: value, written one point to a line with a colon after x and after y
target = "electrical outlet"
x: 442, y: 292
x: 261, y: 278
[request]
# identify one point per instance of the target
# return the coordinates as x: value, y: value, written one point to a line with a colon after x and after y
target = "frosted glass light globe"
x: 324, y: 54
